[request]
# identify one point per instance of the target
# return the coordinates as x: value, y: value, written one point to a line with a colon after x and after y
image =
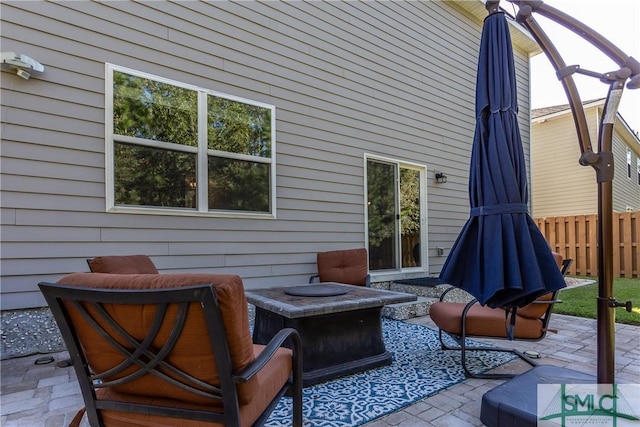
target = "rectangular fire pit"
x: 341, y: 334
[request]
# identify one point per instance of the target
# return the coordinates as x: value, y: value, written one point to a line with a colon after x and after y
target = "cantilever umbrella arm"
x: 602, y: 160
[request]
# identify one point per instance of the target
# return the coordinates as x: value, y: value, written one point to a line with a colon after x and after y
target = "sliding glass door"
x: 395, y: 213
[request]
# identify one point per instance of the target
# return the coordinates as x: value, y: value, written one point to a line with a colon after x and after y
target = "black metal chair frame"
x: 461, y: 339
x: 149, y: 361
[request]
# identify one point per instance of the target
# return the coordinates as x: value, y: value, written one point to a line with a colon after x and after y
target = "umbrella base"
x: 514, y: 403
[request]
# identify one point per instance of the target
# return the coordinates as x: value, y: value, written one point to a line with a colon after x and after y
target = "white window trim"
x: 401, y: 273
x: 201, y: 149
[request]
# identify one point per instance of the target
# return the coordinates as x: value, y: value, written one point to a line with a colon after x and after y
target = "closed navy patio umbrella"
x: 500, y: 256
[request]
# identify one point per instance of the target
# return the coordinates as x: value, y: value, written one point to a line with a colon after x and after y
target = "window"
x: 396, y: 208
x: 181, y: 148
x: 638, y: 168
x: 628, y: 162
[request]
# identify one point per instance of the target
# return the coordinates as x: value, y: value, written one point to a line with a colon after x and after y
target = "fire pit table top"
x: 279, y: 300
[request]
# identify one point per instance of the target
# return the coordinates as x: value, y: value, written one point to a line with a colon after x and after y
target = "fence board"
x: 593, y: 246
x: 617, y: 241
x: 576, y: 237
x: 581, y: 247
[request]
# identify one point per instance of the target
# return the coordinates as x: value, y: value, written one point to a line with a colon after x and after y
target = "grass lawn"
x: 581, y: 301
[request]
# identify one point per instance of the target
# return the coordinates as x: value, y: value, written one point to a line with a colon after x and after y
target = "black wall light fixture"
x: 441, y: 178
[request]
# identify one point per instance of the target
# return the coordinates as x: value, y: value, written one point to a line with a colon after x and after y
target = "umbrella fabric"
x: 500, y: 256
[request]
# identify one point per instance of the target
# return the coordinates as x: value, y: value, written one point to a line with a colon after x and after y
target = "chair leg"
x: 461, y: 340
x: 297, y: 381
x: 297, y: 407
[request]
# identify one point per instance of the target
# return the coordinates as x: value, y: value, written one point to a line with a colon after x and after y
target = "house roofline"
x: 520, y: 35
x: 621, y: 125
x: 562, y: 109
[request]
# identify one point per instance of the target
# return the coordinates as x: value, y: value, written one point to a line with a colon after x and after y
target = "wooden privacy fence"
x: 576, y: 237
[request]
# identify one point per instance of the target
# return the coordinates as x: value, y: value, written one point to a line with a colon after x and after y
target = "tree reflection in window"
x: 148, y: 109
x: 146, y: 176
x: 238, y: 127
x: 238, y: 185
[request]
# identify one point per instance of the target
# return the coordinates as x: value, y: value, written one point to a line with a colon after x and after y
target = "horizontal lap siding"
x: 626, y: 190
x: 561, y: 186
x: 394, y: 79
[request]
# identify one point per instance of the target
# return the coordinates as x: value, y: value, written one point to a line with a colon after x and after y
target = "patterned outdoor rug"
x: 419, y: 369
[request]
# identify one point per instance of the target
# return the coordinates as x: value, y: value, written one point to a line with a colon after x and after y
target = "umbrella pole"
x: 602, y: 161
x: 605, y: 313
x: 606, y: 302
x: 605, y: 310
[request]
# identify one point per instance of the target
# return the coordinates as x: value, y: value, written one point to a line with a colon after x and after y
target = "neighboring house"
x: 238, y: 137
x: 560, y: 185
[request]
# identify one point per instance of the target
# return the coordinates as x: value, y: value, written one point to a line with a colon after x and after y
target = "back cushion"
x: 192, y: 353
x: 345, y: 266
x: 122, y: 264
x: 535, y: 310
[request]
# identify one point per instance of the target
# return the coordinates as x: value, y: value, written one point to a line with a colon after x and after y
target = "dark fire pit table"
x: 340, y: 325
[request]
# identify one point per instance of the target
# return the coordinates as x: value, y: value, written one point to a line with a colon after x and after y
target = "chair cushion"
x: 271, y: 379
x: 192, y: 353
x: 482, y: 321
x: 124, y: 264
x: 343, y: 266
x: 535, y: 310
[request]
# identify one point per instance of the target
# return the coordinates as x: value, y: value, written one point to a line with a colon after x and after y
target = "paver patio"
x: 48, y: 395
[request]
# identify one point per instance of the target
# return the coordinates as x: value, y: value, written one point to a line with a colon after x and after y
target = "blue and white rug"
x: 419, y: 369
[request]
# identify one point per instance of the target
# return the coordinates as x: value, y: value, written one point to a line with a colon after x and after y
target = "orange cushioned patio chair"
x: 350, y: 266
x: 460, y: 321
x: 171, y: 350
x: 122, y: 264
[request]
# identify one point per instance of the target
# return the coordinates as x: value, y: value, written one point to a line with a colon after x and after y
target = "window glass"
x: 146, y: 176
x: 382, y: 212
x: 161, y: 132
x: 410, y: 216
x: 238, y: 127
x: 238, y: 185
x: 148, y: 109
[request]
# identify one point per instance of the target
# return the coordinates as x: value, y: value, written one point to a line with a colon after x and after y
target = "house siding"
x: 394, y: 79
x: 626, y: 190
x: 560, y: 185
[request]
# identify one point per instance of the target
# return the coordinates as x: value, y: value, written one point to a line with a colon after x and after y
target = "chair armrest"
x: 442, y: 295
x: 270, y: 349
x: 468, y: 307
x: 551, y: 301
x: 312, y: 278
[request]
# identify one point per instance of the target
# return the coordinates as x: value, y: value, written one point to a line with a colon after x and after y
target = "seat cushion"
x: 192, y: 353
x: 271, y: 379
x: 344, y: 266
x: 482, y: 321
x: 122, y: 264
